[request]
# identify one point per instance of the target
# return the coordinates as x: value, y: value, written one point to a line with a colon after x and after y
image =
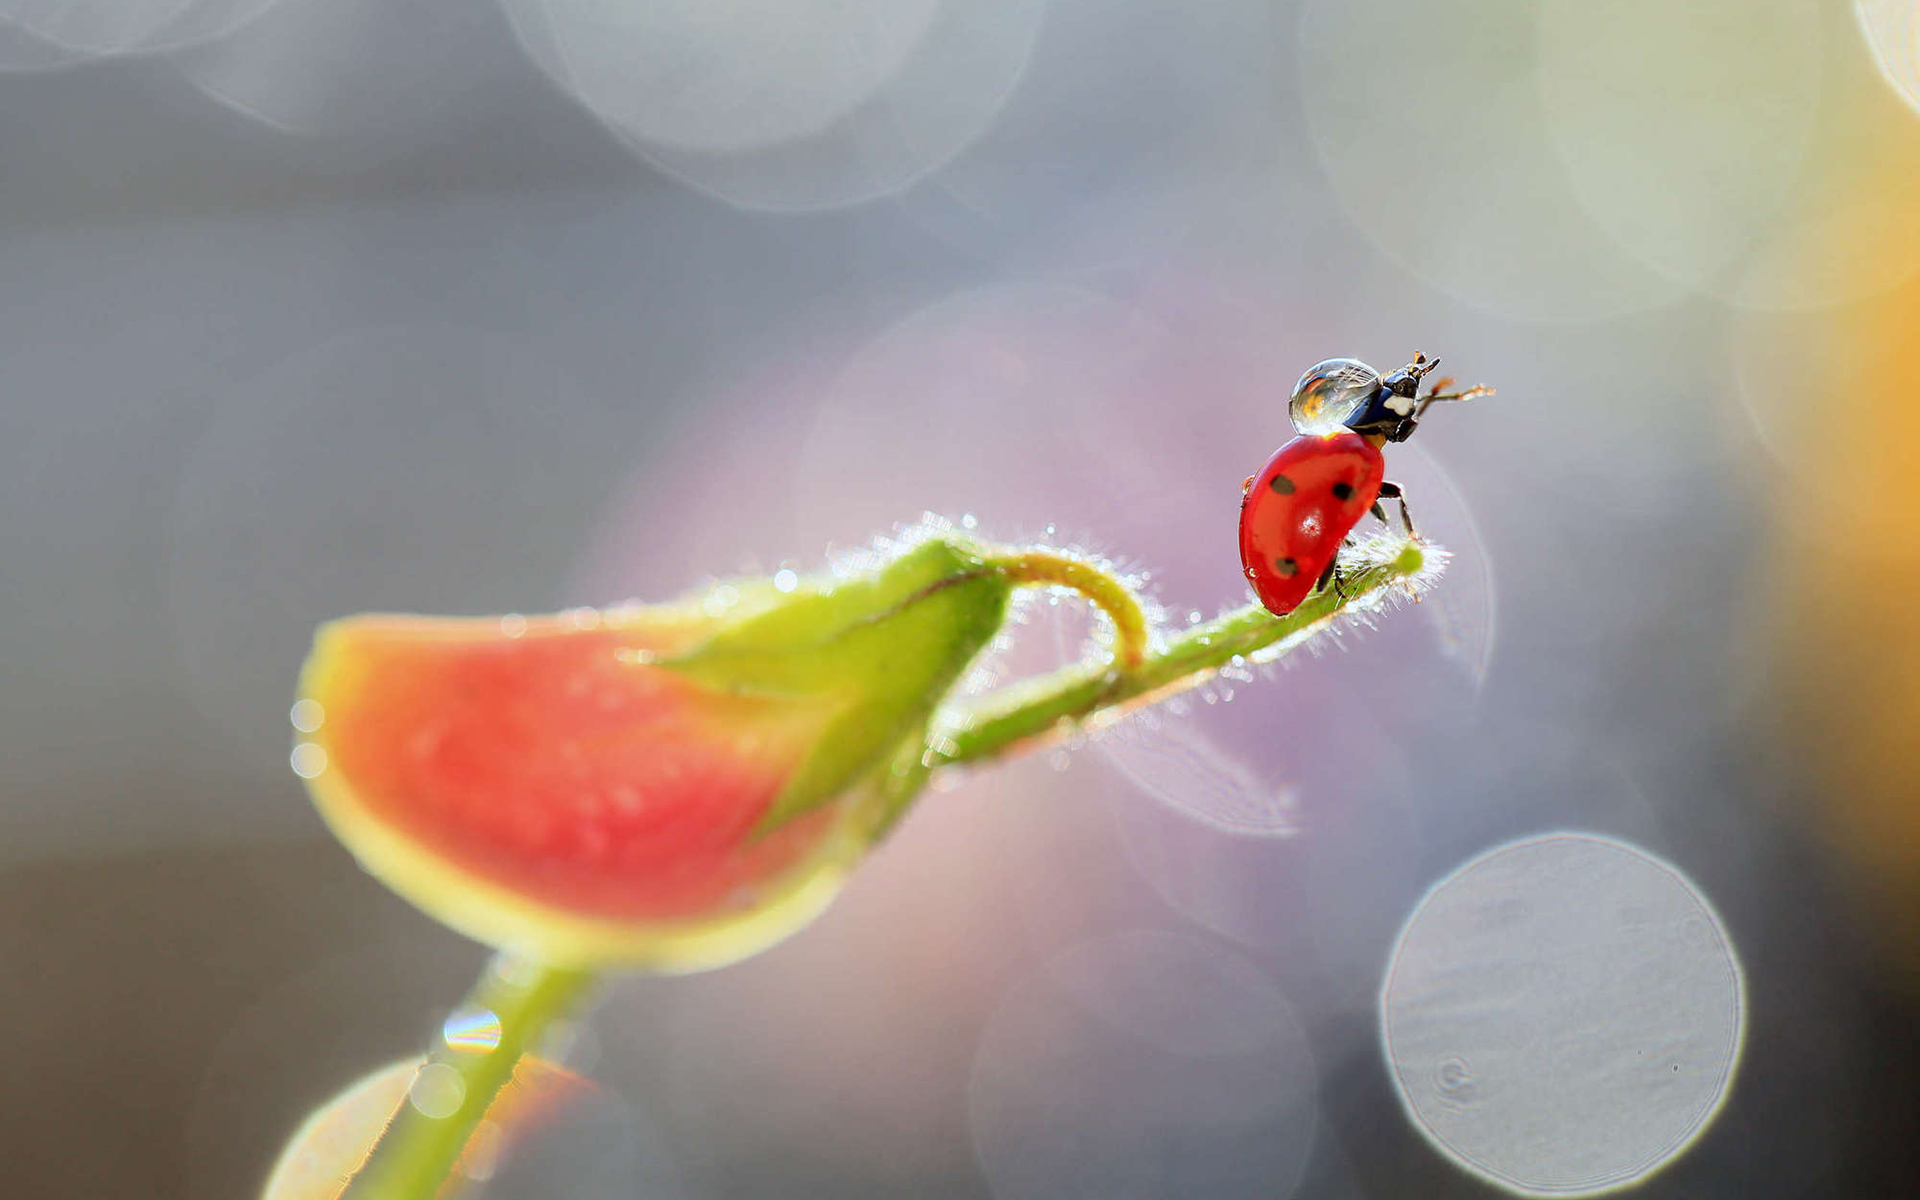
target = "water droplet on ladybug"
x: 1331, y: 392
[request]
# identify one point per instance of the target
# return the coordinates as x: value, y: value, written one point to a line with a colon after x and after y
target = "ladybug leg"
x: 1332, y: 575
x: 1391, y: 491
x: 1440, y: 393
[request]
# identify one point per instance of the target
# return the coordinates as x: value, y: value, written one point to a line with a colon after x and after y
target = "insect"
x: 1295, y: 515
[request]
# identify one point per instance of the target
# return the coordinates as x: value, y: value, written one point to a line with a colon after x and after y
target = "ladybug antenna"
x: 1406, y: 381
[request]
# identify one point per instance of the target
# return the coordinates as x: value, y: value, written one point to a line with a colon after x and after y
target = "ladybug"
x: 1296, y: 513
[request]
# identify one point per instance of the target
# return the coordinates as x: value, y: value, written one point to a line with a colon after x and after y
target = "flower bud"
x: 670, y: 787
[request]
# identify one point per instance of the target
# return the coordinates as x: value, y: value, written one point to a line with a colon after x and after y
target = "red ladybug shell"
x: 1300, y: 508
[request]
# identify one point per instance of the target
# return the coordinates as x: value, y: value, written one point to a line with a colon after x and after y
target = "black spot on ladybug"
x: 1343, y: 491
x: 1281, y: 484
x: 1286, y: 566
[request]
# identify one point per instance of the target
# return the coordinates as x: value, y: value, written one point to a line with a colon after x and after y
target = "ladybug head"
x: 1395, y: 408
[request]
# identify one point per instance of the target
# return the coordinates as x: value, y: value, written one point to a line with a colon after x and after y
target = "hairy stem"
x: 1080, y: 697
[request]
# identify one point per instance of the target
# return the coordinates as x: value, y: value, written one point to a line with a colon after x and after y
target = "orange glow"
x: 1846, y: 574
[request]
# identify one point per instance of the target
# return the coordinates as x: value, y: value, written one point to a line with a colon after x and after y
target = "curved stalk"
x: 1047, y: 568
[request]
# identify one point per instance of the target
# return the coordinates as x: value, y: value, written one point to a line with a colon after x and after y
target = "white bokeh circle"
x: 1139, y: 123
x: 21, y: 49
x: 786, y: 106
x: 724, y: 77
x: 93, y: 27
x: 341, y: 84
x: 40, y: 34
x: 1562, y: 1015
x: 1428, y: 121
x: 1892, y: 28
x: 1683, y: 129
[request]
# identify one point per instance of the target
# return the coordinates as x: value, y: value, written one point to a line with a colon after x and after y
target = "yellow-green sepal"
x: 885, y: 648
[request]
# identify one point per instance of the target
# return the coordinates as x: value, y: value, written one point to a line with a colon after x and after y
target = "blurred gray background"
x: 316, y: 306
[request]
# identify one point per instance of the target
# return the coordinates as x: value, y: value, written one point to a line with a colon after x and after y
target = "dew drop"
x: 437, y: 1091
x: 1329, y: 393
x: 581, y: 618
x: 308, y: 760
x: 719, y: 600
x: 785, y: 580
x: 307, y: 715
x: 476, y: 1030
x: 513, y: 625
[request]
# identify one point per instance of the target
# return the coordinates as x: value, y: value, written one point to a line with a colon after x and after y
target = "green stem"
x: 1080, y: 697
x: 417, y: 1152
